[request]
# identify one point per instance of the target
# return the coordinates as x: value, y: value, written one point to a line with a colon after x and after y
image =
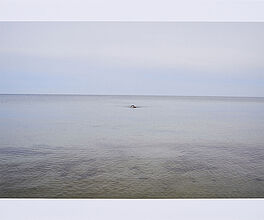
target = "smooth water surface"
x: 97, y: 147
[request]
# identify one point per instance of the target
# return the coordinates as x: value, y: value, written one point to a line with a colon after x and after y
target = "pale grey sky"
x: 150, y: 58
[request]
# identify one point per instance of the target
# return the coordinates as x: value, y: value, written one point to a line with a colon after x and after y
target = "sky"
x: 132, y: 58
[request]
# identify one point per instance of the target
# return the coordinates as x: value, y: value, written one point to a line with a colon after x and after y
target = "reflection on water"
x: 98, y: 147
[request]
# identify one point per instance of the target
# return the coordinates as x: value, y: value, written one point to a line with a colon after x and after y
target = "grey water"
x: 78, y: 146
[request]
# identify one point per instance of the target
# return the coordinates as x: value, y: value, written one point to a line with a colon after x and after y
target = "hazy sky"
x: 167, y: 58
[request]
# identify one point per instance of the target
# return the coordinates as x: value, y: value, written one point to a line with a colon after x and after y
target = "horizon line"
x: 80, y: 94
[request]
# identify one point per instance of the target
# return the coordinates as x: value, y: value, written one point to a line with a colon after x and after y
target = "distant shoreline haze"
x: 72, y: 94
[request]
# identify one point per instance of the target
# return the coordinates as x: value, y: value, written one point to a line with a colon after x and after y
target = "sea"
x: 96, y: 146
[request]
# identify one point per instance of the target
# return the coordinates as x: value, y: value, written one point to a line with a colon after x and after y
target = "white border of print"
x: 133, y: 10
x: 134, y: 209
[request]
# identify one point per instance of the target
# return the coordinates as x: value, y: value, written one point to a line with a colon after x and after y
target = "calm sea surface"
x: 97, y: 147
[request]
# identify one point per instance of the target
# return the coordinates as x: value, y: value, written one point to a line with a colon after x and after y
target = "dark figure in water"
x: 132, y: 106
